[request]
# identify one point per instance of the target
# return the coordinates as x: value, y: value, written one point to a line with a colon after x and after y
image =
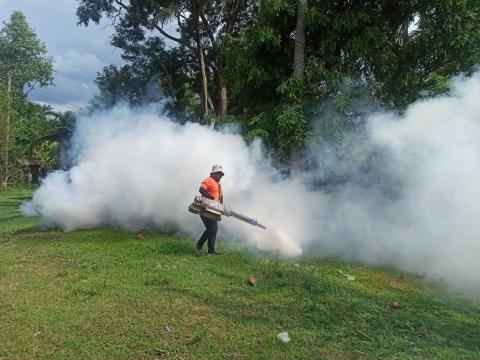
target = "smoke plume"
x: 135, y: 169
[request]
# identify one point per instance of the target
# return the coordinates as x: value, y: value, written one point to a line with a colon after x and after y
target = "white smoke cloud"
x: 430, y: 226
x: 136, y: 168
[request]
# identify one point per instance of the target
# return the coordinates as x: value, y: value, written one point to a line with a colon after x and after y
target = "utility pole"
x: 7, y: 133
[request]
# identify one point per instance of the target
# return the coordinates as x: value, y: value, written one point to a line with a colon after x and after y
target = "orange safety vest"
x: 213, y: 187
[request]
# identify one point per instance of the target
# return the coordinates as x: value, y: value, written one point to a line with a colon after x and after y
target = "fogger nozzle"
x: 214, y: 210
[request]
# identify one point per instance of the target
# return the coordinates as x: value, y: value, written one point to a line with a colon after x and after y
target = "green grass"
x: 102, y: 294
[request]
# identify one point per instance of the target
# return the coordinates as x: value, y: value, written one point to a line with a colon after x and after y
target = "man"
x: 211, y: 189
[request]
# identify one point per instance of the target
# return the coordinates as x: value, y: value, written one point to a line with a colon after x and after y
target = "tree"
x: 269, y: 96
x: 196, y: 10
x: 5, y: 143
x: 23, y: 64
x: 299, y: 56
x: 201, y: 28
x: 23, y: 57
x: 298, y: 73
x: 363, y: 43
x: 444, y: 42
x: 116, y: 85
x: 282, y: 60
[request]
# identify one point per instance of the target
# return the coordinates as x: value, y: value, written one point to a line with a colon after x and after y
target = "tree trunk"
x: 222, y: 99
x: 299, y: 57
x: 222, y: 102
x: 402, y: 33
x: 204, y: 83
x: 201, y: 60
x: 298, y: 71
x: 4, y: 181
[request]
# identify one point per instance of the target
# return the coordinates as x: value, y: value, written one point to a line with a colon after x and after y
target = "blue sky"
x: 79, y: 52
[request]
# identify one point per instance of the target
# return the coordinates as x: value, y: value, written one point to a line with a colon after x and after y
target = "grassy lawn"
x: 103, y: 294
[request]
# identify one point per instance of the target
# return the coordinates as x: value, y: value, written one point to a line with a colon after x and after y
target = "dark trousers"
x: 209, y: 234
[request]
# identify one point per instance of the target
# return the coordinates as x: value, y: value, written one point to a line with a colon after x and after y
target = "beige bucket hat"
x: 217, y: 168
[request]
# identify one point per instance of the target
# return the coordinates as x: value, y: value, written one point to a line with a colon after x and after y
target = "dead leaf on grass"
x: 160, y: 353
x: 395, y: 304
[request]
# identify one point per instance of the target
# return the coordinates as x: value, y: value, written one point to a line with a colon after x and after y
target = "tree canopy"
x: 287, y: 71
x: 24, y: 64
x: 23, y: 57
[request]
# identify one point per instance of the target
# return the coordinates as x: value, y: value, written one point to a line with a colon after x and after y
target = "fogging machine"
x: 214, y: 210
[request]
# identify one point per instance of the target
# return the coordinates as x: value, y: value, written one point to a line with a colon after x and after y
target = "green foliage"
x: 6, y: 114
x: 47, y: 153
x: 345, y: 40
x: 444, y: 44
x: 28, y: 125
x: 188, y: 103
x: 22, y: 56
x: 282, y: 128
x: 279, y: 7
x: 291, y: 128
x: 24, y: 60
x: 142, y: 26
x: 396, y: 52
x: 258, y: 132
x: 118, y: 85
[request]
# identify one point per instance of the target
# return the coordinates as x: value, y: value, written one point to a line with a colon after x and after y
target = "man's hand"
x: 206, y: 193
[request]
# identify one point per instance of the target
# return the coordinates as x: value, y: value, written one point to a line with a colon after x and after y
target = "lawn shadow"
x: 10, y: 218
x: 224, y: 275
x: 9, y: 204
x: 21, y: 198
